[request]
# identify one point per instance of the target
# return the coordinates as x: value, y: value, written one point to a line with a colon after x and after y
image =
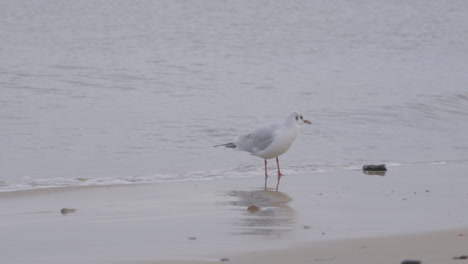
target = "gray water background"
x: 134, y: 91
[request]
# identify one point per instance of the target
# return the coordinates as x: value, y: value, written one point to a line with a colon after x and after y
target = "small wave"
x: 29, y: 183
x: 442, y: 107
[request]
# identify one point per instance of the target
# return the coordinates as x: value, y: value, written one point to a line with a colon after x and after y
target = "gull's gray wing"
x: 258, y: 140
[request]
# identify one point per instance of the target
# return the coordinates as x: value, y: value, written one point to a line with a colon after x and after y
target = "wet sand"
x: 428, y: 248
x: 413, y: 212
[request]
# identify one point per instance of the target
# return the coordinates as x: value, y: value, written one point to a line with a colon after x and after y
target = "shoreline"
x: 85, y: 182
x: 193, y: 221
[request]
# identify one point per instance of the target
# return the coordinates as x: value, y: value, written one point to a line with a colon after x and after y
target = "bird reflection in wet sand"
x: 274, y: 219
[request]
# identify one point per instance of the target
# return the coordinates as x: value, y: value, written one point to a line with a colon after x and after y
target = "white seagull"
x: 270, y: 141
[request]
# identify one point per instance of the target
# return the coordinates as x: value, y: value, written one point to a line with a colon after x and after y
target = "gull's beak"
x: 307, y: 122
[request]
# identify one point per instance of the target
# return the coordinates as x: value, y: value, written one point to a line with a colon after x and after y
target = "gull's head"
x: 298, y: 118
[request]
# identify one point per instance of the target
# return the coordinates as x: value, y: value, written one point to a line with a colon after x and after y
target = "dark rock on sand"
x: 380, y: 167
x: 66, y: 211
x: 224, y: 259
x: 461, y: 257
x: 411, y: 261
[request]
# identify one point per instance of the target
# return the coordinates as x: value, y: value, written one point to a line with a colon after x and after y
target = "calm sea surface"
x: 102, y: 92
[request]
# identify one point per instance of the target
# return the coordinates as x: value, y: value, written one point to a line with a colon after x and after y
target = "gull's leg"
x: 279, y: 173
x: 266, y: 174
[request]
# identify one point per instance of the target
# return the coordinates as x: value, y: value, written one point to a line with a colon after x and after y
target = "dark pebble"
x: 461, y: 257
x: 66, y: 211
x: 412, y: 261
x: 253, y: 208
x: 380, y: 167
x: 224, y: 259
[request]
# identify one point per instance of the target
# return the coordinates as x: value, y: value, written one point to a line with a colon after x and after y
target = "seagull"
x: 270, y: 141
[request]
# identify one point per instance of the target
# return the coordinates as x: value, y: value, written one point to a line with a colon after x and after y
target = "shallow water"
x: 118, y: 92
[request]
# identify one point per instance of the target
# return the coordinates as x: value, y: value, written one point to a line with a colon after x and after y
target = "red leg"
x: 279, y: 173
x: 266, y: 174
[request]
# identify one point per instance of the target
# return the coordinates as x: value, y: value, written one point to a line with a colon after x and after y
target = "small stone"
x: 380, y: 167
x: 224, y: 259
x: 66, y: 211
x: 253, y: 208
x: 192, y: 238
x: 411, y: 261
x: 461, y: 257
x: 306, y: 227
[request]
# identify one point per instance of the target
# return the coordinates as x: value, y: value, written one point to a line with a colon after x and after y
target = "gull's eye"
x: 297, y: 118
x: 301, y: 117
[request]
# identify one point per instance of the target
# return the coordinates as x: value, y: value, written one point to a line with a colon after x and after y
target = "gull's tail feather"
x: 228, y: 145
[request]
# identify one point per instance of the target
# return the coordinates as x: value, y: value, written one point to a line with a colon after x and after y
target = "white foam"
x: 29, y: 183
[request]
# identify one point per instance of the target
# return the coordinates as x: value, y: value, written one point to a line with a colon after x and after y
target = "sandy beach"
x: 412, y: 212
x: 430, y: 247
